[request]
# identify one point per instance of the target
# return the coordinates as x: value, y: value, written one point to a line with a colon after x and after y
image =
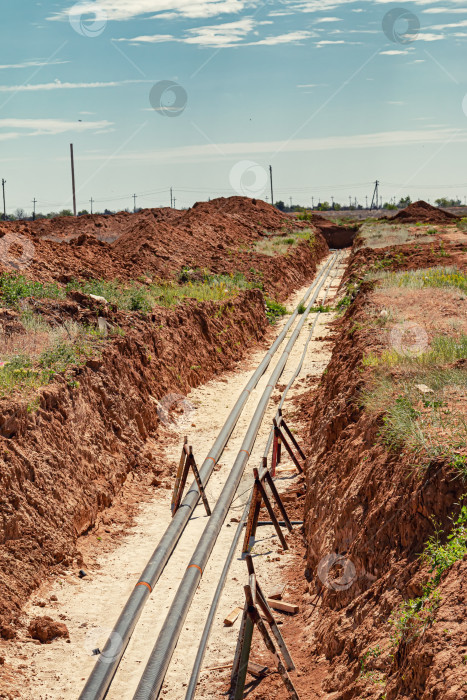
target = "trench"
x: 89, y: 606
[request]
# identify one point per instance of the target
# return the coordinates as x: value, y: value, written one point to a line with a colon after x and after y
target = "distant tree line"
x: 20, y: 214
x: 336, y: 206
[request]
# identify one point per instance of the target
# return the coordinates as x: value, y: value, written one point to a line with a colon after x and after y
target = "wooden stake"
x: 187, y: 460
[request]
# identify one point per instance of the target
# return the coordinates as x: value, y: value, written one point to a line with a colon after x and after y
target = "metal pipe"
x: 107, y: 663
x: 153, y: 676
x: 191, y: 690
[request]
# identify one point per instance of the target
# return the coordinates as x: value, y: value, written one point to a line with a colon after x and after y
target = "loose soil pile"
x: 216, y: 236
x: 423, y: 212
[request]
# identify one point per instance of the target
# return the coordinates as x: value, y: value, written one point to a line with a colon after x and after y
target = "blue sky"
x: 314, y: 88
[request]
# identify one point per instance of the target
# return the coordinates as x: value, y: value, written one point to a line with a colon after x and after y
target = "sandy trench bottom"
x: 90, y: 606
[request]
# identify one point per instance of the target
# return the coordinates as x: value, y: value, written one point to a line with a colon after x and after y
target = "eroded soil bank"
x: 72, y: 431
x: 381, y: 570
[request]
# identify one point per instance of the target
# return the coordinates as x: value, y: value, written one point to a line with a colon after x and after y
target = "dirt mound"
x: 423, y: 212
x: 217, y: 236
x: 46, y: 630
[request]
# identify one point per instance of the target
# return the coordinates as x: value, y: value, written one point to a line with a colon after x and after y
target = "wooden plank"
x: 255, y: 505
x: 239, y: 647
x: 294, y: 442
x: 291, y: 452
x: 283, y: 606
x: 272, y: 515
x: 201, y: 490
x: 270, y: 617
x: 275, y: 448
x: 242, y: 655
x: 255, y: 617
x: 231, y: 617
x: 277, y: 498
x: 179, y: 476
x: 278, y: 593
x: 258, y: 670
x: 182, y: 484
x: 286, y: 470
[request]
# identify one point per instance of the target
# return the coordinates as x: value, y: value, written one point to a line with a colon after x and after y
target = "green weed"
x: 274, y: 310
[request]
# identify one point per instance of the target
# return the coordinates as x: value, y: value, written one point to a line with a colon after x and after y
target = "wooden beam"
x: 283, y: 606
x: 231, y: 617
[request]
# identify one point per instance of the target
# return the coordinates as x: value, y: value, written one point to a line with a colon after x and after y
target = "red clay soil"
x: 216, y: 236
x: 335, y: 236
x: 371, y: 507
x: 423, y: 212
x: 406, y: 257
x: 64, y: 462
x: 65, y: 456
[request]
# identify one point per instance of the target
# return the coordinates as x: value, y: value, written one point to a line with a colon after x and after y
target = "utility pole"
x: 312, y: 202
x: 91, y: 200
x: 134, y: 204
x: 34, y: 210
x: 350, y: 201
x: 174, y: 203
x: 290, y: 198
x: 4, y: 205
x: 374, y: 199
x: 332, y: 202
x: 272, y: 191
x: 73, y: 178
x: 171, y: 199
x: 366, y: 201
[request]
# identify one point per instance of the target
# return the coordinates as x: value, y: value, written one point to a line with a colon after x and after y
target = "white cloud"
x: 32, y: 64
x: 395, y: 102
x: 320, y: 20
x: 429, y: 37
x: 212, y: 151
x: 312, y: 85
x: 221, y: 34
x: 40, y: 127
x: 393, y: 52
x: 225, y: 35
x: 290, y: 38
x: 57, y: 85
x: 445, y: 10
x: 328, y: 42
x: 452, y: 25
x: 125, y: 9
x: 9, y: 136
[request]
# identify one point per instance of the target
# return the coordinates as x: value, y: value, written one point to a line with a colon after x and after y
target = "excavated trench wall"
x: 63, y: 463
x: 370, y: 507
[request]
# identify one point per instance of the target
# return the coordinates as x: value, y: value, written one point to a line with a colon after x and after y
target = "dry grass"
x: 382, y: 234
x: 283, y: 244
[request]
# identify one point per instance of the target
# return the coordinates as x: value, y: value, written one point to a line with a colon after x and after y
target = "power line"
x: 375, y: 195
x: 4, y: 205
x: 73, y: 178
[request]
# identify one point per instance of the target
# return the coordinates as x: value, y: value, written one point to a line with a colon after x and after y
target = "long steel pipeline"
x: 108, y: 661
x: 153, y: 676
x: 191, y: 690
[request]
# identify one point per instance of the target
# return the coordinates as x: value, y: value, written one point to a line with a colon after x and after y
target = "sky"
x: 205, y: 95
